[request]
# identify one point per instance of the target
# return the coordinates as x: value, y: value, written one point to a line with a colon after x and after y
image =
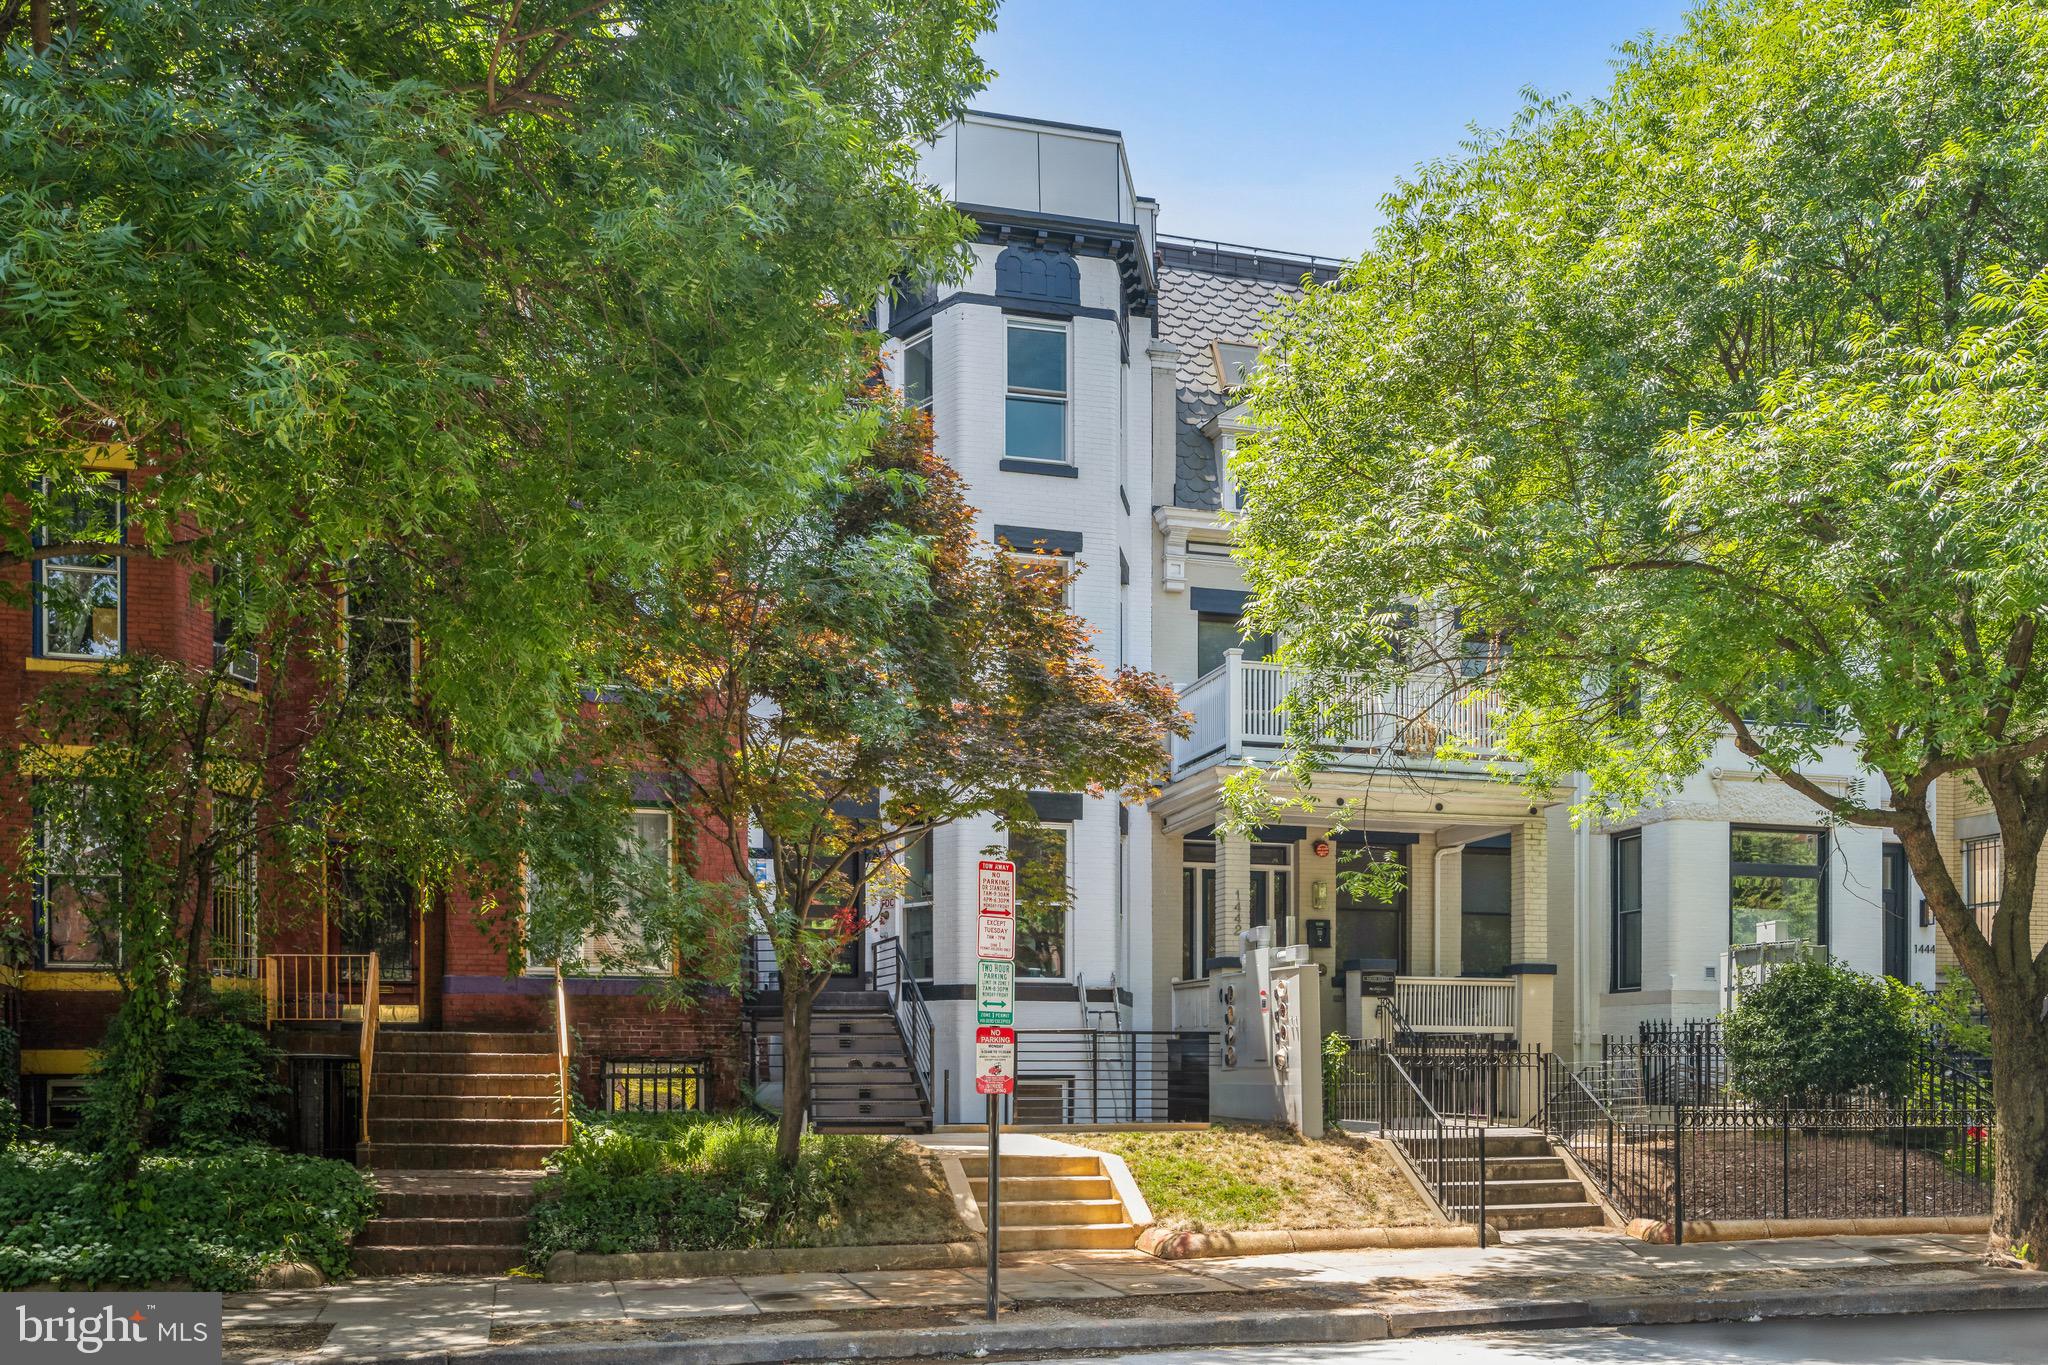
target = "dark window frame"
x: 1465, y: 912
x: 1816, y: 871
x: 1618, y: 981
x: 38, y: 634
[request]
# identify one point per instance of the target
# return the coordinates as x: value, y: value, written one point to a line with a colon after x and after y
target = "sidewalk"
x: 1104, y: 1300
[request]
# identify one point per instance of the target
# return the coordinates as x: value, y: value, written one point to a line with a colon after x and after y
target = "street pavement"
x: 372, y: 1319
x: 1989, y: 1338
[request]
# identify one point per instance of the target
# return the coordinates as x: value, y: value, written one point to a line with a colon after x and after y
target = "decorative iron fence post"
x: 1482, y: 1184
x: 1785, y: 1167
x: 1677, y: 1171
x: 1905, y: 1153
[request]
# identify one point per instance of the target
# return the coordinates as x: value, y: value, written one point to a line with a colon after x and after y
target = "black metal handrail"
x: 889, y: 972
x: 1448, y: 1153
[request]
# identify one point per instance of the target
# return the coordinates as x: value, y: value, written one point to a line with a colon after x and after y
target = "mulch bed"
x: 1743, y: 1174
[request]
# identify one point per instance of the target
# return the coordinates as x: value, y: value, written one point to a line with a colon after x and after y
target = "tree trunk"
x: 797, y: 999
x: 2019, y: 1085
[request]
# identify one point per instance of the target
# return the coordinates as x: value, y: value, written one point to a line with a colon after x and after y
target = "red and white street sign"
x: 995, y: 937
x: 995, y: 1061
x: 996, y: 887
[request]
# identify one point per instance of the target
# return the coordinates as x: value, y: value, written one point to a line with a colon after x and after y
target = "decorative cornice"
x: 1177, y: 524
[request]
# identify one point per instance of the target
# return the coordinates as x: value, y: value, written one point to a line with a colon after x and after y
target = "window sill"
x: 39, y: 664
x: 1056, y: 469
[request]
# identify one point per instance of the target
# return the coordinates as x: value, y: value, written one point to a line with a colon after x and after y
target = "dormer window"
x: 1234, y: 362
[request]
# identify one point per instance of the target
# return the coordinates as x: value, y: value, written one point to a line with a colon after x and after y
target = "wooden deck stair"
x: 1053, y: 1202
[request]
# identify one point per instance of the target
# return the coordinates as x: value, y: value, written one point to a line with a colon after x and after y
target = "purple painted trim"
x: 545, y: 985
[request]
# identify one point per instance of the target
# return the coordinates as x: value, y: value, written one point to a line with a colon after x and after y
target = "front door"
x: 378, y: 912
x: 1272, y: 874
x: 1367, y: 927
x: 1898, y: 893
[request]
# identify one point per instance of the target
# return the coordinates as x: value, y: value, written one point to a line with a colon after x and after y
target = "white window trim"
x: 1066, y: 828
x: 1064, y: 397
x: 616, y: 974
x: 118, y: 571
x: 1066, y: 566
x: 923, y: 338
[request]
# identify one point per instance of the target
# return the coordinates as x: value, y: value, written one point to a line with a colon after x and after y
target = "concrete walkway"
x: 384, y: 1319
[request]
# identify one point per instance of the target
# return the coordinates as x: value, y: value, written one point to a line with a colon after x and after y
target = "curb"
x: 1181, y: 1246
x: 580, y: 1267
x: 1759, y: 1229
x: 1336, y: 1325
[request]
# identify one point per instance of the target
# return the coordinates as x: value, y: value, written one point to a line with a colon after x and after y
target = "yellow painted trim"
x: 39, y: 665
x: 70, y: 979
x: 386, y: 1014
x: 245, y: 693
x: 112, y: 458
x: 55, y: 1061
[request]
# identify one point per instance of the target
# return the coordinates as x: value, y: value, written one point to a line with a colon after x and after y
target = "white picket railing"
x: 1246, y: 704
x: 1454, y: 1004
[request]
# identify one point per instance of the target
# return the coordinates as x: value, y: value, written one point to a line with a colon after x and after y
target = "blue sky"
x: 1281, y: 124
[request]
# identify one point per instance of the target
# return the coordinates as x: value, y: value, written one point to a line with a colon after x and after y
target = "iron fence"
x: 655, y: 1086
x: 1112, y: 1076
x: 324, y: 1109
x: 1857, y: 1158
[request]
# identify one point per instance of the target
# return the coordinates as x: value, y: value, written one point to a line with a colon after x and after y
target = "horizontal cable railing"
x: 1099, y: 1076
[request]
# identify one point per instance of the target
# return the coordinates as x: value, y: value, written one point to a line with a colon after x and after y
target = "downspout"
x: 1585, y: 976
x: 1436, y: 895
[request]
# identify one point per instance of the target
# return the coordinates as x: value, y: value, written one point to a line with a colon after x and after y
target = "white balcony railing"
x: 1246, y: 705
x: 1454, y: 1004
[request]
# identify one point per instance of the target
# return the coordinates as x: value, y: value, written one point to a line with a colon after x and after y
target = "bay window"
x: 1777, y: 886
x: 1045, y: 866
x: 80, y: 596
x: 1035, y: 402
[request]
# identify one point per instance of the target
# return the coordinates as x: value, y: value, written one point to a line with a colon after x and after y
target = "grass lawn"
x: 1234, y: 1177
x: 647, y: 1182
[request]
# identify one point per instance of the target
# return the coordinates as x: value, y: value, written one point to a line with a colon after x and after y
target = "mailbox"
x: 1375, y: 976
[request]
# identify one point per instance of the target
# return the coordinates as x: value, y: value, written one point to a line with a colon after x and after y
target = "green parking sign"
x: 995, y: 993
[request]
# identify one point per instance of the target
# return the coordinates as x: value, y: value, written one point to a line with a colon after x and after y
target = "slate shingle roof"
x: 1196, y: 308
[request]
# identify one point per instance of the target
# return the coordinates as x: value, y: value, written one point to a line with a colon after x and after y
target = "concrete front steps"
x: 1527, y: 1185
x: 443, y: 1101
x: 446, y: 1223
x: 1053, y: 1203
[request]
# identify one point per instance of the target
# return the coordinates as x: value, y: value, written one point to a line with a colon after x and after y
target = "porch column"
x: 1534, y: 970
x: 1233, y: 894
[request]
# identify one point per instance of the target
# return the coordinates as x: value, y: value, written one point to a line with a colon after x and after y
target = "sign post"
x: 995, y: 1033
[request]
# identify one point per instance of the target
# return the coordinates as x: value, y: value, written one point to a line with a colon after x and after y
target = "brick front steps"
x: 463, y: 1101
x: 446, y: 1223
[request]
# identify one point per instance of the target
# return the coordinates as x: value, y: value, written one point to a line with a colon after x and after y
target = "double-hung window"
x: 1217, y: 633
x: 623, y: 941
x: 917, y: 906
x: 1627, y: 974
x: 1983, y: 878
x: 1486, y: 919
x: 917, y: 372
x: 78, y: 880
x: 380, y: 632
x: 1057, y: 569
x: 79, y: 596
x: 1778, y: 891
x: 1197, y: 907
x: 1035, y: 404
x: 1045, y: 878
x: 232, y: 649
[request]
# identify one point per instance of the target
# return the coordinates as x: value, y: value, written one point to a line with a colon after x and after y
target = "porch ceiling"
x: 1455, y: 809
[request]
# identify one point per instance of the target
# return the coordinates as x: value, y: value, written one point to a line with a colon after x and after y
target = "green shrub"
x: 692, y: 1182
x: 220, y: 1084
x: 10, y: 1085
x: 1815, y: 1031
x: 209, y: 1219
x: 1336, y: 1062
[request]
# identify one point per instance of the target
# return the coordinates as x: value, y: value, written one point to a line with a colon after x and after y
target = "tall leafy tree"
x: 847, y: 678
x: 521, y: 293
x: 441, y: 318
x: 1721, y: 400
